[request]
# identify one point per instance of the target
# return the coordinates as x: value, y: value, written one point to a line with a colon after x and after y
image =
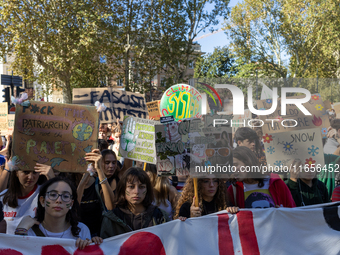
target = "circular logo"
x: 181, y: 101
x: 82, y: 131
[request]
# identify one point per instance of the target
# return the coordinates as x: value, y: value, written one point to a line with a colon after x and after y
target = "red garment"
x: 336, y: 194
x: 277, y: 188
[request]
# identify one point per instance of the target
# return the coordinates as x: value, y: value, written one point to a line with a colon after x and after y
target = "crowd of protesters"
x: 122, y: 197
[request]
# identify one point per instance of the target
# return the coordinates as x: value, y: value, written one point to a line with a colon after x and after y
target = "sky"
x: 219, y: 39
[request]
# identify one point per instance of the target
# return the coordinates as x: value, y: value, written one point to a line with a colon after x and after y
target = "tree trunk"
x: 127, y: 71
x: 67, y: 93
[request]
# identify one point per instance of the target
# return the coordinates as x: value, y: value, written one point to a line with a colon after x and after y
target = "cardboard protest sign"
x: 3, y: 118
x: 153, y: 109
x: 327, y: 104
x: 138, y: 140
x: 119, y: 103
x: 305, y: 145
x: 336, y: 107
x: 181, y: 101
x: 318, y: 119
x: 54, y: 134
x: 189, y: 147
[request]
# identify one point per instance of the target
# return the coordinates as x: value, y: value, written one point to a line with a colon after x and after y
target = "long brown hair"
x: 129, y: 177
x: 161, y: 185
x: 188, y: 194
x: 14, y: 189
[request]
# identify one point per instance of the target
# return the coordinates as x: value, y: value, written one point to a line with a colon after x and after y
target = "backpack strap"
x: 96, y: 185
x: 37, y: 231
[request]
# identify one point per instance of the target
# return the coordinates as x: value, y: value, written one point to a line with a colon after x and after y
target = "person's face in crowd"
x: 307, y: 174
x: 209, y: 188
x: 110, y: 165
x: 135, y: 192
x: 102, y: 135
x: 27, y: 179
x: 247, y: 143
x: 109, y: 126
x: 117, y: 137
x: 58, y: 199
x: 239, y: 176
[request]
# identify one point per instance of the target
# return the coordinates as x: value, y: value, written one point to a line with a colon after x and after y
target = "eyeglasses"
x: 223, y: 152
x: 53, y: 195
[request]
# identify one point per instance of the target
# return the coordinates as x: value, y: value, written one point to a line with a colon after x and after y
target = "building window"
x: 163, y: 82
x: 120, y: 82
x: 191, y: 64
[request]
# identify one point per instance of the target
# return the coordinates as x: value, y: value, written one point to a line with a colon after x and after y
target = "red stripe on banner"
x: 225, y: 241
x: 247, y: 233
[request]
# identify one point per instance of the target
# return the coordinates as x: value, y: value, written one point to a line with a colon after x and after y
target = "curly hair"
x: 188, y: 194
x: 72, y: 214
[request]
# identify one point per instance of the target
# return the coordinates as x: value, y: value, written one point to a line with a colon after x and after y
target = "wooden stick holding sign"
x: 196, y: 191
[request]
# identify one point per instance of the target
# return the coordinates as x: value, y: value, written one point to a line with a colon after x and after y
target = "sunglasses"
x: 223, y: 152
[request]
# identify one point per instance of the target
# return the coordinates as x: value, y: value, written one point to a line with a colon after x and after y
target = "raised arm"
x: 96, y: 158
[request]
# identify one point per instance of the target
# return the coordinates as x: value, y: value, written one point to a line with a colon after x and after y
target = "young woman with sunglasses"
x: 57, y: 214
x: 20, y: 199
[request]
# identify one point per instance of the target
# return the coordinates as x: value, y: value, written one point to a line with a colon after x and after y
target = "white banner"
x: 309, y: 230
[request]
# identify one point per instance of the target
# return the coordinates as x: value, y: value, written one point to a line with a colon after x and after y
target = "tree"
x: 58, y: 42
x: 269, y: 32
x: 178, y: 24
x: 220, y: 63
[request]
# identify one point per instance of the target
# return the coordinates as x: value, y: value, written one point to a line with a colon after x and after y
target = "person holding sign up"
x: 20, y: 199
x: 211, y: 196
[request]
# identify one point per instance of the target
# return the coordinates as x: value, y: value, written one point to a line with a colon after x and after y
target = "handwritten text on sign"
x: 3, y: 118
x: 54, y: 134
x: 296, y: 120
x: 305, y: 145
x: 119, y: 103
x: 181, y: 101
x: 138, y: 140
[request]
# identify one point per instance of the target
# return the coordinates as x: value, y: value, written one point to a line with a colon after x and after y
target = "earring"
x: 70, y: 207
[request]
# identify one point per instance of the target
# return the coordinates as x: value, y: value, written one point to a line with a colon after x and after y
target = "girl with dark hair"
x: 245, y: 136
x: 261, y: 192
x: 20, y: 199
x: 91, y: 190
x: 107, y: 162
x: 166, y: 195
x: 211, y: 197
x: 134, y: 209
x: 57, y: 214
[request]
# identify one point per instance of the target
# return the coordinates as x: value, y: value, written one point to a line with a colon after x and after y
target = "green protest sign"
x: 181, y: 101
x: 138, y: 140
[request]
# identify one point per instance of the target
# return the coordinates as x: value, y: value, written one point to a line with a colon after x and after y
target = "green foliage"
x: 285, y: 37
x: 217, y: 64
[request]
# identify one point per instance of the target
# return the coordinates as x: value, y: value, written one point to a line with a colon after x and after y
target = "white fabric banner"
x: 309, y: 230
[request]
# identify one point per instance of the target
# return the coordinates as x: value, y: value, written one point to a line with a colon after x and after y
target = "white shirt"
x: 26, y: 206
x: 83, y: 234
